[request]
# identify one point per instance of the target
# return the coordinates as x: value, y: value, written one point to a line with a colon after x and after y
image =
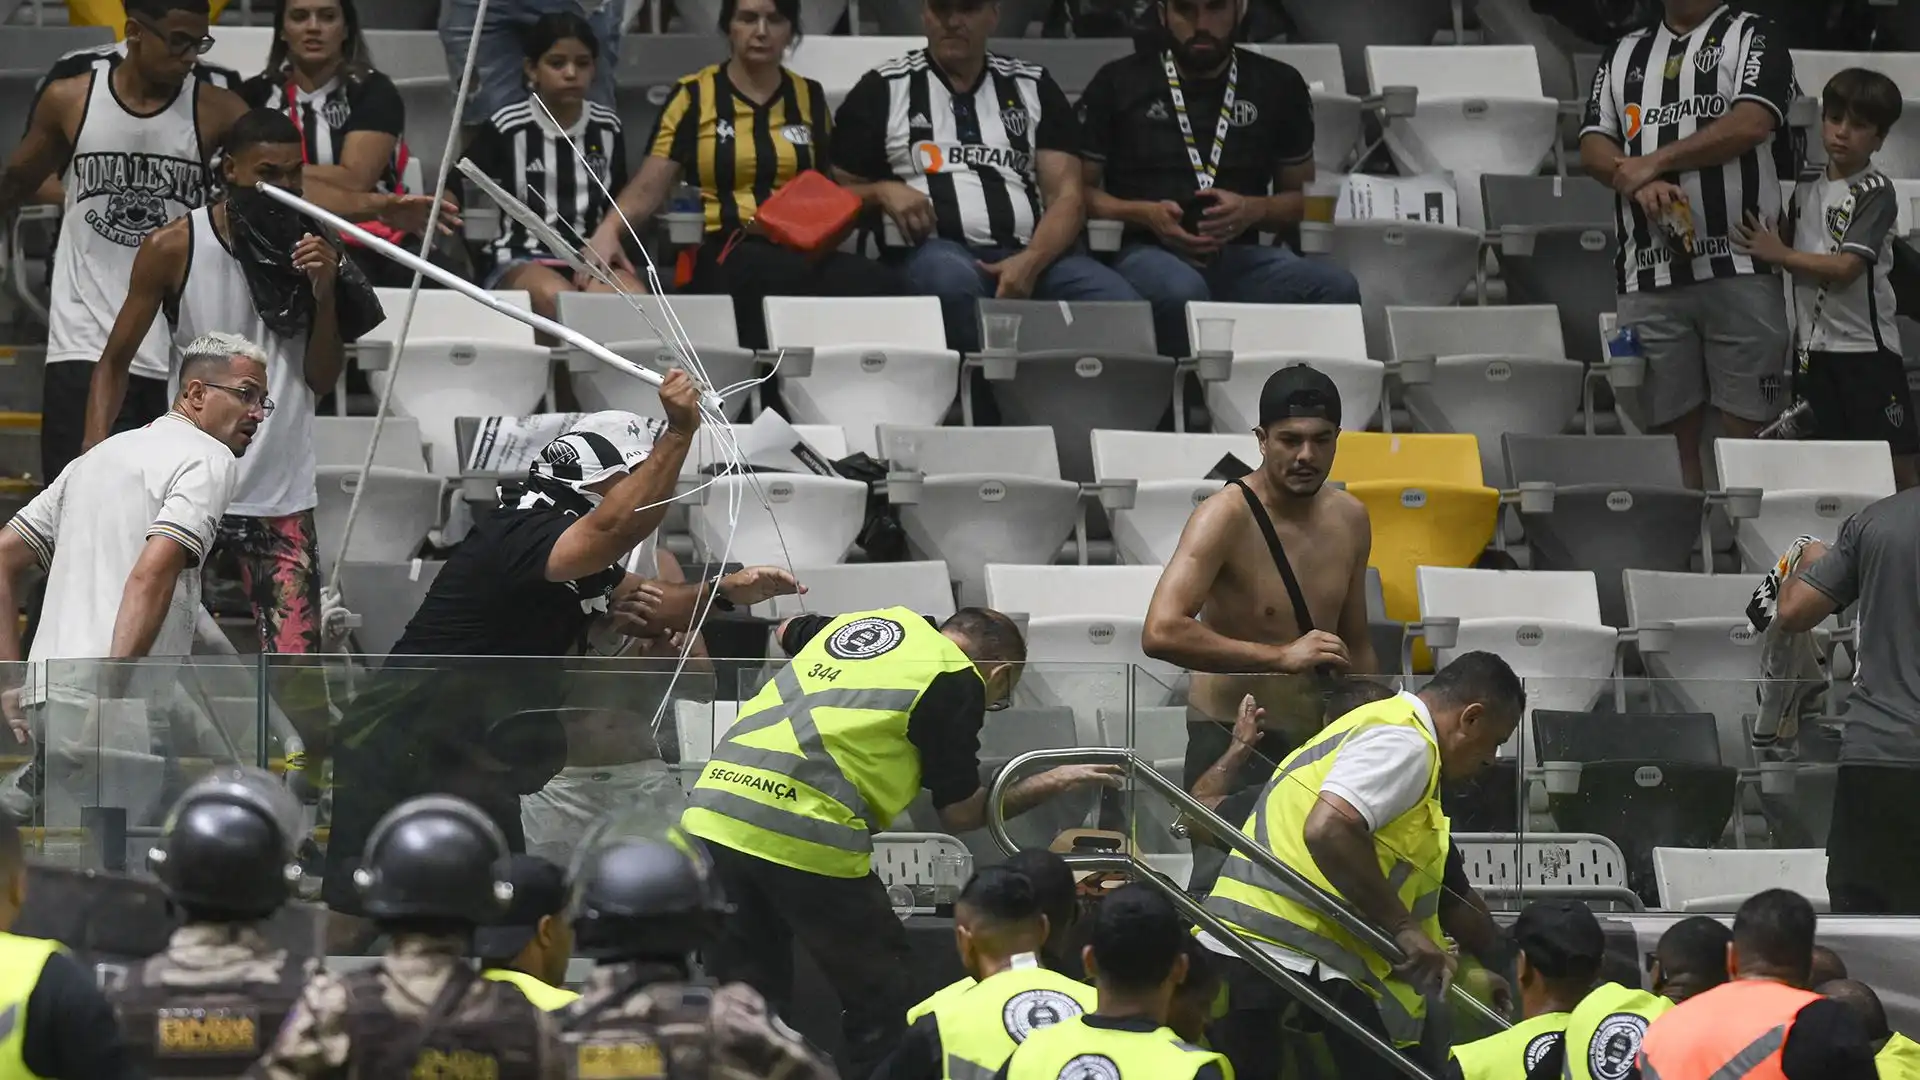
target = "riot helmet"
x: 642, y: 889
x: 227, y: 847
x: 433, y: 857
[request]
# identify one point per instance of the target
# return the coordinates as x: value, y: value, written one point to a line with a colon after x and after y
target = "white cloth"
x: 556, y: 817
x: 276, y: 477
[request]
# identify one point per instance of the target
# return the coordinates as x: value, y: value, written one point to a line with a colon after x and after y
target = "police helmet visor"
x: 256, y: 788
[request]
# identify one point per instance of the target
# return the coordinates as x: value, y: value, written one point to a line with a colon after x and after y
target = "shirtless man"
x: 1222, y: 609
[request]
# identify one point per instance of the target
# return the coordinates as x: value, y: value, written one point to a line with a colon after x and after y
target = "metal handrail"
x: 1245, y: 950
x: 1227, y: 833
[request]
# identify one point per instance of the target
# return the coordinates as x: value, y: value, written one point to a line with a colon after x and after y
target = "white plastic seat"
x: 839, y: 62
x: 1170, y: 473
x: 1513, y: 866
x: 462, y: 359
x: 989, y: 495
x: 1899, y: 155
x: 1545, y: 624
x: 1808, y: 488
x: 836, y: 590
x: 342, y: 440
x: 1083, y: 637
x: 1267, y: 337
x: 385, y: 595
x: 1711, y: 660
x: 1404, y: 264
x: 707, y: 321
x: 242, y: 48
x: 396, y: 513
x: 1496, y: 370
x: 1480, y: 110
x: 1721, y: 879
x: 1336, y: 113
x: 700, y: 726
x: 807, y: 520
x: 877, y: 358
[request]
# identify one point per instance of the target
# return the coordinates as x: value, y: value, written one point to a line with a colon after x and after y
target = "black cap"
x: 1298, y: 392
x: 539, y: 890
x: 1561, y: 938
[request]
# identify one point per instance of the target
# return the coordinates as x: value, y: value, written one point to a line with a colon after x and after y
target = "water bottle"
x: 1626, y: 359
x: 686, y: 200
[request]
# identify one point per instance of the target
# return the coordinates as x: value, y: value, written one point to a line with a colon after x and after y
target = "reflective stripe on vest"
x: 21, y: 961
x: 1509, y: 1054
x: 1605, y: 1030
x: 1076, y: 1049
x: 1412, y: 849
x: 1732, y: 1031
x: 980, y: 1026
x: 548, y: 997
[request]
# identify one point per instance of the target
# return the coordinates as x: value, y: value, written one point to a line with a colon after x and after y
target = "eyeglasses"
x: 252, y: 396
x: 179, y: 44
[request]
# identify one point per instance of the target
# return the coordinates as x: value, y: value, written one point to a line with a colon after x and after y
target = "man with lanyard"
x: 873, y: 706
x: 1138, y: 960
x: 1763, y: 1022
x: 1560, y: 949
x: 1199, y: 148
x: 999, y: 927
x: 1356, y: 811
x: 1603, y: 1032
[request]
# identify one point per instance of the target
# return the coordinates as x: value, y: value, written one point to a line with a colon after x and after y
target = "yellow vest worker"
x: 1606, y: 1028
x: 979, y: 1028
x: 1560, y: 947
x: 1511, y: 1053
x: 21, y: 961
x: 1899, y: 1059
x: 548, y: 998
x: 1109, y: 1049
x: 934, y: 1000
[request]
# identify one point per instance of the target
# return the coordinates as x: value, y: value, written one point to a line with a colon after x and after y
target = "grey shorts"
x: 1722, y: 342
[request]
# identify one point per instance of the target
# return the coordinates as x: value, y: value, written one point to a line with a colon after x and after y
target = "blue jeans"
x: 1240, y: 274
x: 951, y: 272
x: 499, y: 78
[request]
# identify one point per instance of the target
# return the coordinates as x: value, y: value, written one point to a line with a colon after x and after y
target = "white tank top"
x: 276, y: 472
x: 128, y: 176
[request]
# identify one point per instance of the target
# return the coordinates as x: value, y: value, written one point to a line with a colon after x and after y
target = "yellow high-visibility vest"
x: 1073, y: 1048
x: 1899, y: 1059
x: 21, y: 961
x: 981, y: 1026
x: 1509, y: 1054
x: 1605, y: 1030
x: 547, y: 997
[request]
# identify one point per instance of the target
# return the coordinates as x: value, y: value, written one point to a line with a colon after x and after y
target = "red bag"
x: 811, y: 214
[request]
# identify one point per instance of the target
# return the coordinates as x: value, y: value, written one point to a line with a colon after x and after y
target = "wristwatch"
x: 719, y: 595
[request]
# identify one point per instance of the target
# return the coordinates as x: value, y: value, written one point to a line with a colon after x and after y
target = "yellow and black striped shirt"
x: 736, y: 152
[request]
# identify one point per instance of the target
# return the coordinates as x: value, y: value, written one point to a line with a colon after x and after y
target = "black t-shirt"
x: 71, y: 1031
x: 1128, y: 126
x: 944, y: 725
x: 1209, y: 1071
x: 333, y: 112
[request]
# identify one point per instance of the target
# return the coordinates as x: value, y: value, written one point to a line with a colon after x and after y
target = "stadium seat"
x: 804, y: 520
x: 1479, y: 111
x: 1568, y: 251
x: 1354, y: 27
x: 1544, y: 623
x: 1157, y: 734
x: 1332, y: 338
x: 836, y: 590
x: 1404, y: 263
x: 700, y: 726
x: 1617, y: 502
x: 1083, y: 637
x: 1721, y: 879
x: 1427, y: 504
x: 706, y: 455
x: 416, y: 61
x: 1710, y: 661
x: 398, y: 510
x: 1336, y: 113
x: 1080, y: 367
x: 462, y: 359
x: 385, y: 595
x: 1495, y: 370
x: 706, y: 321
x: 873, y: 359
x: 1169, y: 474
x: 342, y: 440
x: 1900, y: 155
x: 839, y: 62
x: 242, y: 48
x: 1807, y: 488
x: 987, y: 495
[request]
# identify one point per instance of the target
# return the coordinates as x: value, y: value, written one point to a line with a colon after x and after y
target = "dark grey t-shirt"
x: 1876, y: 563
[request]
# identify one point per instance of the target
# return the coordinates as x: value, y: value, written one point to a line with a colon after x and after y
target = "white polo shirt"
x: 88, y: 527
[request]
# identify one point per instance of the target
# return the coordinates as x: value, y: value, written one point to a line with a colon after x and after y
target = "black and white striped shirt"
x: 522, y: 150
x: 973, y: 153
x: 1654, y: 88
x: 330, y: 113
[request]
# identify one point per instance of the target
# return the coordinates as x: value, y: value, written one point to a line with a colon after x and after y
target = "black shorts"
x: 1860, y: 396
x: 1873, y: 855
x: 63, y: 411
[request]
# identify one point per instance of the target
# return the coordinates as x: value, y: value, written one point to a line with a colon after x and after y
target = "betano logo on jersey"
x: 931, y: 158
x: 137, y: 189
x: 1698, y: 107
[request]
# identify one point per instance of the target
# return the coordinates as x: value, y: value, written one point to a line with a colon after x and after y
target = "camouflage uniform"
x: 367, y: 1024
x: 207, y: 1004
x: 623, y: 1026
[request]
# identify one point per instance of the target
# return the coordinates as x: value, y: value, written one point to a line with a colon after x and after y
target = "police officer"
x: 999, y: 928
x: 874, y: 706
x: 1603, y: 1032
x: 57, y: 1025
x: 1560, y: 948
x: 1138, y: 961
x: 644, y: 901
x: 207, y: 1005
x: 427, y: 878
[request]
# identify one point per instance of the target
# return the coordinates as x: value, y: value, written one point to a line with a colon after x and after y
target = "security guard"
x: 999, y: 928
x: 643, y: 901
x: 1138, y: 960
x: 54, y: 1022
x: 427, y: 879
x: 1059, y: 897
x: 1560, y: 947
x: 1359, y: 803
x: 873, y: 706
x: 1603, y: 1033
x: 209, y: 1003
x: 530, y: 945
x: 1762, y: 1023
x: 1895, y: 1057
